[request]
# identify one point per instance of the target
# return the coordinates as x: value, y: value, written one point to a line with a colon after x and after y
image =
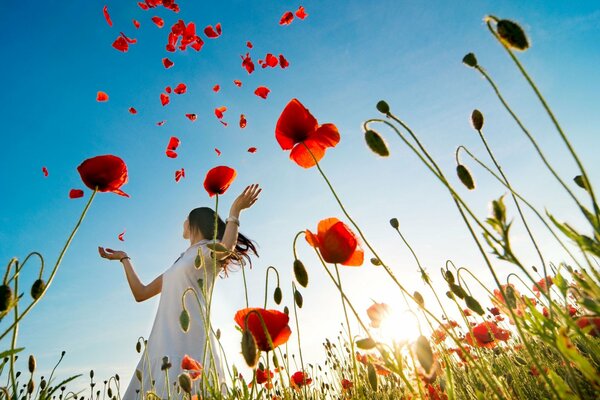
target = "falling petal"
x: 171, y: 154
x: 121, y: 236
x: 210, y: 32
x: 164, y: 99
x: 132, y: 110
x: 242, y: 121
x: 106, y: 15
x: 286, y: 18
x: 262, y: 91
x: 252, y: 150
x: 191, y: 117
x: 101, y: 96
x: 180, y: 89
x: 143, y: 6
x: 173, y: 143
x: 168, y: 89
x: 300, y: 13
x: 249, y: 45
x: 219, y: 111
x: 158, y: 21
x: 218, y: 151
x: 136, y: 23
x: 160, y: 123
x: 45, y: 171
x: 283, y: 63
x: 237, y: 83
x: 121, y: 44
x: 75, y: 193
x: 216, y: 88
x: 180, y: 173
x: 247, y: 63
x: 167, y: 63
x: 128, y: 40
x: 271, y: 60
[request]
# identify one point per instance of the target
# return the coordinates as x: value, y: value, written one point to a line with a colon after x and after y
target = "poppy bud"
x: 424, y: 353
x: 474, y: 305
x: 458, y: 290
x: 165, y: 363
x: 218, y: 334
x: 42, y: 384
x: 249, y: 348
x: 275, y: 360
x: 300, y: 273
x: 277, y: 295
x: 449, y: 295
x: 286, y: 310
x: 394, y: 223
x: 366, y: 344
x: 499, y: 209
x: 30, y: 386
x: 477, y: 119
x: 109, y: 392
x: 185, y: 381
x: 449, y: 276
x: 372, y: 375
x: 419, y: 298
x: 184, y: 320
x: 510, y: 297
x: 138, y: 347
x: 198, y: 261
x: 375, y: 261
x: 298, y: 299
x: 465, y: 176
x: 31, y: 363
x: 470, y: 60
x: 91, y: 374
x: 383, y: 107
x: 376, y: 143
x: 512, y: 35
x: 581, y: 182
x: 5, y: 297
x: 138, y: 374
x: 37, y: 289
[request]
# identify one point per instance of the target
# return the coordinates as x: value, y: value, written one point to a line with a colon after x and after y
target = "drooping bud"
x: 42, y: 384
x: 249, y: 348
x: 138, y: 347
x: 375, y: 261
x: 512, y: 35
x: 510, y: 297
x: 30, y: 386
x: 37, y: 288
x: 184, y: 320
x: 477, y: 120
x: 470, y: 60
x: 298, y: 298
x: 376, y: 143
x: 5, y: 297
x: 300, y: 273
x: 419, y: 299
x: 185, y: 381
x: 92, y: 374
x: 424, y: 353
x: 372, y: 375
x: 218, y: 334
x: 277, y: 295
x: 117, y: 377
x: 286, y: 310
x: 383, y: 107
x: 465, y: 176
x: 458, y: 290
x: 138, y: 374
x: 394, y: 223
x: 109, y: 392
x: 31, y: 363
x: 474, y: 305
x: 366, y: 344
x: 581, y: 182
x: 449, y: 276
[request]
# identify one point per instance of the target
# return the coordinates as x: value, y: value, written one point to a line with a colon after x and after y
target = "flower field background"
x: 110, y: 79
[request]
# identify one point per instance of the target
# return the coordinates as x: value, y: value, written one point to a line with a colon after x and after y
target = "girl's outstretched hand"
x: 247, y: 198
x: 111, y: 254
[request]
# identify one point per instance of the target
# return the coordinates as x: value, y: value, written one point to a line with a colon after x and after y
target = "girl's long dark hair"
x: 203, y: 219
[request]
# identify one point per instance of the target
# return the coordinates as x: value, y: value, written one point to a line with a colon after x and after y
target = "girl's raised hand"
x: 111, y: 254
x: 247, y: 198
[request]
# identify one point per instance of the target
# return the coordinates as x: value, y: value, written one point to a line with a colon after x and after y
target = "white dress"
x: 167, y: 338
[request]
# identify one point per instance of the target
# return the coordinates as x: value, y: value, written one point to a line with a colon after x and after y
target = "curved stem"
x: 267, y: 281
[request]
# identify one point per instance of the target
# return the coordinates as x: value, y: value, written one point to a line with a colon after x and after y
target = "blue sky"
x: 344, y: 57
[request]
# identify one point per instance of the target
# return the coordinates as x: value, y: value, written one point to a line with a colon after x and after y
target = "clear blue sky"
x: 344, y: 57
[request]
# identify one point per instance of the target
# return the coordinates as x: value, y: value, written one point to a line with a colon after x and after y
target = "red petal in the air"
x: 158, y: 21
x: 218, y: 151
x: 160, y: 123
x: 173, y: 143
x: 180, y: 89
x: 262, y: 91
x: 128, y: 40
x: 180, y: 173
x: 106, y: 15
x: 216, y: 88
x: 242, y: 121
x: 132, y: 110
x: 191, y: 117
x: 171, y: 154
x: 168, y: 89
x: 121, y: 44
x: 101, y: 96
x: 237, y: 83
x: 209, y: 31
x: 45, y: 171
x: 283, y: 63
x: 219, y: 111
x: 286, y: 18
x: 247, y: 63
x: 75, y: 193
x: 121, y: 236
x: 223, y: 122
x: 300, y: 13
x: 143, y: 6
x: 164, y: 99
x: 271, y: 60
x: 136, y: 23
x: 249, y: 45
x: 252, y: 150
x: 167, y: 63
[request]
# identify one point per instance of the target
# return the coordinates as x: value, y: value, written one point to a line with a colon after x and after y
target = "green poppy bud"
x: 37, y: 289
x: 424, y: 353
x: 394, y: 223
x: 372, y: 375
x: 366, y: 344
x: 300, y: 273
x: 31, y: 363
x: 30, y: 386
x: 277, y: 295
x: 465, y: 176
x: 109, y: 392
x: 383, y: 107
x: 375, y: 261
x: 449, y: 276
x: 474, y: 305
x: 581, y: 182
x: 499, y: 210
x: 185, y: 382
x: 512, y: 35
x: 376, y: 143
x: 286, y: 310
x: 165, y: 363
x: 138, y: 374
x: 249, y: 350
x: 419, y: 298
x: 477, y: 119
x: 5, y: 297
x: 42, y: 384
x: 184, y: 320
x: 298, y: 299
x: 470, y: 60
x: 138, y: 347
x: 458, y: 290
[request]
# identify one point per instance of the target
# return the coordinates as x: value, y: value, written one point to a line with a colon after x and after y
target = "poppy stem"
x: 354, y: 368
x: 298, y: 334
x: 267, y: 281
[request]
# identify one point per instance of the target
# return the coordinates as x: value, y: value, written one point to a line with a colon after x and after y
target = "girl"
x: 167, y: 338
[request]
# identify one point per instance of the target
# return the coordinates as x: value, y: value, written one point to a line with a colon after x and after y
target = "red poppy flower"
x: 262, y: 91
x: 271, y: 60
x: 275, y: 321
x: 347, y: 384
x: 296, y: 127
x: 263, y: 376
x: 283, y: 63
x: 247, y: 63
x: 336, y: 243
x: 172, y: 146
x: 219, y: 111
x: 286, y: 18
x: 180, y: 173
x: 486, y: 334
x: 243, y: 121
x: 107, y: 172
x: 594, y: 322
x: 217, y: 151
x: 106, y: 15
x: 249, y: 45
x: 158, y: 21
x: 300, y: 13
x: 180, y: 89
x: 237, y: 83
x: 167, y: 63
x: 164, y: 99
x: 377, y: 313
x: 132, y: 110
x: 121, y: 236
x: 193, y: 367
x: 160, y: 123
x: 136, y: 23
x: 45, y: 171
x: 191, y: 117
x: 252, y: 150
x: 216, y: 88
x: 218, y: 180
x: 210, y: 32
x: 544, y: 284
x: 75, y: 193
x: 299, y: 379
x: 101, y: 96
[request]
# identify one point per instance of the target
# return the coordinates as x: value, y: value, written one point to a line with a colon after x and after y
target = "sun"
x: 399, y: 326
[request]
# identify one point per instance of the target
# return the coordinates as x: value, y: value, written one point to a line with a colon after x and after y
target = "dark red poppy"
x: 136, y: 23
x: 193, y: 367
x: 191, y: 117
x: 263, y: 376
x: 297, y: 127
x: 101, y: 96
x: 299, y: 379
x: 237, y: 82
x: 158, y: 21
x: 243, y: 121
x: 346, y: 384
x: 251, y: 150
x: 164, y: 99
x: 107, y: 172
x: 271, y: 60
x: 249, y: 45
x: 494, y: 311
x: 120, y: 44
x: 247, y: 63
x: 262, y: 91
x: 75, y: 193
x: 301, y: 13
x: 180, y: 89
x: 283, y: 63
x: 275, y: 321
x: 45, y: 171
x: 219, y: 111
x: 216, y: 88
x: 336, y: 243
x: 160, y: 123
x: 487, y: 334
x: 377, y: 313
x: 167, y: 63
x: 106, y: 15
x: 180, y: 173
x: 132, y: 110
x: 286, y: 18
x: 213, y: 33
x: 218, y: 180
x: 121, y: 236
x: 217, y: 151
x: 593, y: 322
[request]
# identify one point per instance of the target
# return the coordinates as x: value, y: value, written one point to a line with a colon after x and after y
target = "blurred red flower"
x: 218, y: 180
x: 299, y: 379
x: 594, y: 322
x: 377, y: 313
x: 299, y: 131
x: 347, y: 384
x: 486, y: 334
x: 107, y: 172
x: 264, y: 376
x: 275, y: 321
x: 336, y: 243
x: 194, y: 367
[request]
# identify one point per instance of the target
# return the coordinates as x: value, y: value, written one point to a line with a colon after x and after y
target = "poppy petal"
x: 167, y: 63
x: 301, y: 13
x: 121, y: 236
x: 300, y: 154
x: 243, y: 121
x: 216, y: 88
x: 173, y: 143
x: 283, y: 63
x: 132, y: 110
x: 326, y: 135
x: 158, y: 21
x: 237, y: 83
x: 136, y: 23
x: 247, y: 63
x: 252, y: 150
x: 286, y: 18
x: 164, y: 99
x: 107, y: 16
x: 249, y: 45
x: 45, y: 171
x: 75, y: 193
x: 262, y: 91
x: 191, y: 117
x: 101, y: 96
x: 121, y: 44
x: 219, y: 111
x: 180, y: 89
x: 271, y: 60
x: 217, y: 151
x: 160, y: 123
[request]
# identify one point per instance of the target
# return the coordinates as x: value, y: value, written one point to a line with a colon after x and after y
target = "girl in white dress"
x: 167, y: 338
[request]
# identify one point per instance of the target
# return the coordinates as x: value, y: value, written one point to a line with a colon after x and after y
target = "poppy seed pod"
x: 470, y: 60
x: 477, y: 119
x: 474, y: 305
x: 185, y: 381
x: 249, y: 350
x: 394, y: 223
x: 512, y: 35
x: 31, y: 363
x: 300, y: 273
x: 184, y: 320
x: 383, y: 107
x: 465, y: 176
x: 424, y: 353
x: 5, y: 297
x: 376, y: 143
x: 37, y: 288
x: 277, y: 295
x: 298, y: 299
x: 42, y: 384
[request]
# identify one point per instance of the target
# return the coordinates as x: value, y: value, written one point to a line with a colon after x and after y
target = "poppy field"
x: 533, y: 333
